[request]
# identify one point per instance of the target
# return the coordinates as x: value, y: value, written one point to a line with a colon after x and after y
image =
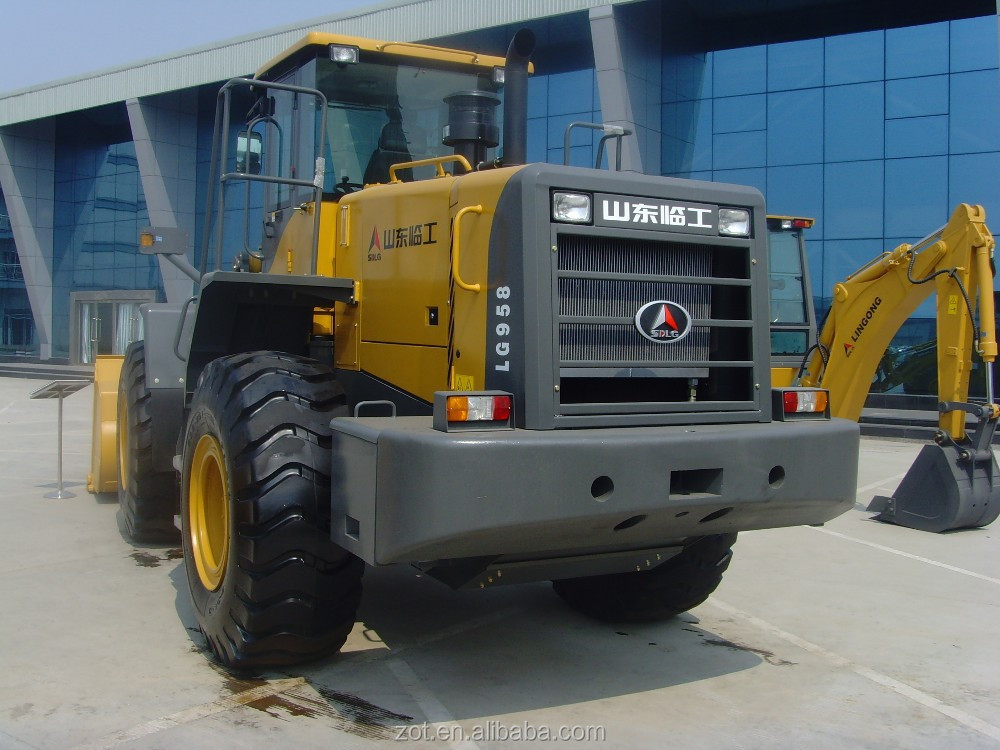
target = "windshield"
x: 379, y: 114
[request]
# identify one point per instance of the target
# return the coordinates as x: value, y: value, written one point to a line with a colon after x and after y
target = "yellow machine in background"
x: 103, y: 476
x: 954, y: 483
x: 792, y: 314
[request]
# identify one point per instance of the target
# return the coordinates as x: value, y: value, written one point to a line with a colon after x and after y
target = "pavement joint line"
x: 918, y: 558
x: 192, y: 714
x: 880, y: 483
x: 12, y: 742
x: 434, y: 710
x: 901, y: 688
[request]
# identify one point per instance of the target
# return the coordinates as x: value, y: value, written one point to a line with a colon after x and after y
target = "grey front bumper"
x: 403, y: 492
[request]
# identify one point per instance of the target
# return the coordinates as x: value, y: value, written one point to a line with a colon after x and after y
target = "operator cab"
x: 386, y: 103
x: 793, y: 318
x: 338, y: 113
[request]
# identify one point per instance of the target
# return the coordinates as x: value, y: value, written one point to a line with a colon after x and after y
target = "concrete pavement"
x: 857, y: 634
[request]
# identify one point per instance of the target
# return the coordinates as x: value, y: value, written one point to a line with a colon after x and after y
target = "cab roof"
x: 412, y: 50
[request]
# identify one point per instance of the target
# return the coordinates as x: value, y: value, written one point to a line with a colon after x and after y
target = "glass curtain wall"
x: 99, y: 209
x: 17, y: 329
x: 877, y: 134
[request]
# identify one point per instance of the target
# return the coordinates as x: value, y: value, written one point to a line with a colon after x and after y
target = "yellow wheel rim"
x: 208, y: 510
x: 123, y: 439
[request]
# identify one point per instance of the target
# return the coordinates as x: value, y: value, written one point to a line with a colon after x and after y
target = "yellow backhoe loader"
x: 954, y: 483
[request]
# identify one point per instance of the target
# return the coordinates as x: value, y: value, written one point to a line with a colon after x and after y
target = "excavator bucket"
x: 950, y: 485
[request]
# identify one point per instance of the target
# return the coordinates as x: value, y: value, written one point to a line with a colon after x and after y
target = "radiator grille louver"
x: 620, y: 343
x: 608, y: 298
x: 609, y: 255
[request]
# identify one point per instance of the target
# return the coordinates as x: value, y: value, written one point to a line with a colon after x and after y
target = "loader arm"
x: 870, y: 306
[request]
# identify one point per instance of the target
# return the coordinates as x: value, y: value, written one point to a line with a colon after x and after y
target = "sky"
x: 47, y: 40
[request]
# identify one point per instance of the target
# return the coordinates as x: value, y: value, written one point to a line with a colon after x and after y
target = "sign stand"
x: 60, y: 389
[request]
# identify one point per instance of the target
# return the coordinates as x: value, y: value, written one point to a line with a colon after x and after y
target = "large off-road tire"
x: 149, y: 499
x: 681, y: 583
x: 268, y: 585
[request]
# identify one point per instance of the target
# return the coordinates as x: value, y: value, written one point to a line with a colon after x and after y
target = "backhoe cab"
x: 792, y: 315
x: 434, y: 354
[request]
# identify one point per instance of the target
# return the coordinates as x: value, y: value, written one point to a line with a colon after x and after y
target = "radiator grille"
x: 610, y: 336
x: 604, y: 359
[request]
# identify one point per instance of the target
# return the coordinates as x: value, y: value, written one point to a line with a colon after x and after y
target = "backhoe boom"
x: 870, y: 306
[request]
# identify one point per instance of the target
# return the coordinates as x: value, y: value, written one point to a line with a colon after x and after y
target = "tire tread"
x: 675, y: 586
x: 152, y: 497
x: 293, y: 593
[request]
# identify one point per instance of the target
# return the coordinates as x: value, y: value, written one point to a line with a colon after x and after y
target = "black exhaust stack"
x: 515, y: 106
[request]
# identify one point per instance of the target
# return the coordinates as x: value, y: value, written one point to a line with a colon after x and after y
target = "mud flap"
x: 950, y: 485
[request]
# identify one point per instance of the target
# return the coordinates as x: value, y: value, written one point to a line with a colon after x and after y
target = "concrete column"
x: 627, y: 58
x: 164, y: 130
x: 27, y: 177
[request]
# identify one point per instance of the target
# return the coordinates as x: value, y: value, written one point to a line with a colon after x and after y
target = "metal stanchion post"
x: 60, y: 389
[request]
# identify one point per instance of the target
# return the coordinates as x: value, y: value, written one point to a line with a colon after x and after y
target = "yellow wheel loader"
x: 408, y: 346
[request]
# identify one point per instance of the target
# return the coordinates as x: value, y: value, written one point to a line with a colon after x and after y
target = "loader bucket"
x: 103, y: 476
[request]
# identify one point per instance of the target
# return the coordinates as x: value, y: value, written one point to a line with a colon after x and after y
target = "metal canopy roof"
x: 400, y: 20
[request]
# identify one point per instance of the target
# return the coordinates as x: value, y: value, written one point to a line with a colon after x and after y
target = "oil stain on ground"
x: 145, y: 559
x: 148, y: 560
x: 342, y: 711
x: 768, y: 656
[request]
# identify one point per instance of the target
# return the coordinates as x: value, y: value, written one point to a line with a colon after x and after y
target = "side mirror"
x: 248, y: 151
x: 163, y: 241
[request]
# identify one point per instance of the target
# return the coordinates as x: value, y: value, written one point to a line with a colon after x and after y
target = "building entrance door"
x: 105, y: 323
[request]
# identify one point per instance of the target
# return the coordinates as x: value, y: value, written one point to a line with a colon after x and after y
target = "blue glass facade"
x: 555, y: 101
x: 16, y: 329
x: 236, y: 233
x: 877, y: 134
x: 99, y: 209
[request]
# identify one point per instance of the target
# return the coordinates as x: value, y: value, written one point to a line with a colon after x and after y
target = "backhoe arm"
x: 870, y: 306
